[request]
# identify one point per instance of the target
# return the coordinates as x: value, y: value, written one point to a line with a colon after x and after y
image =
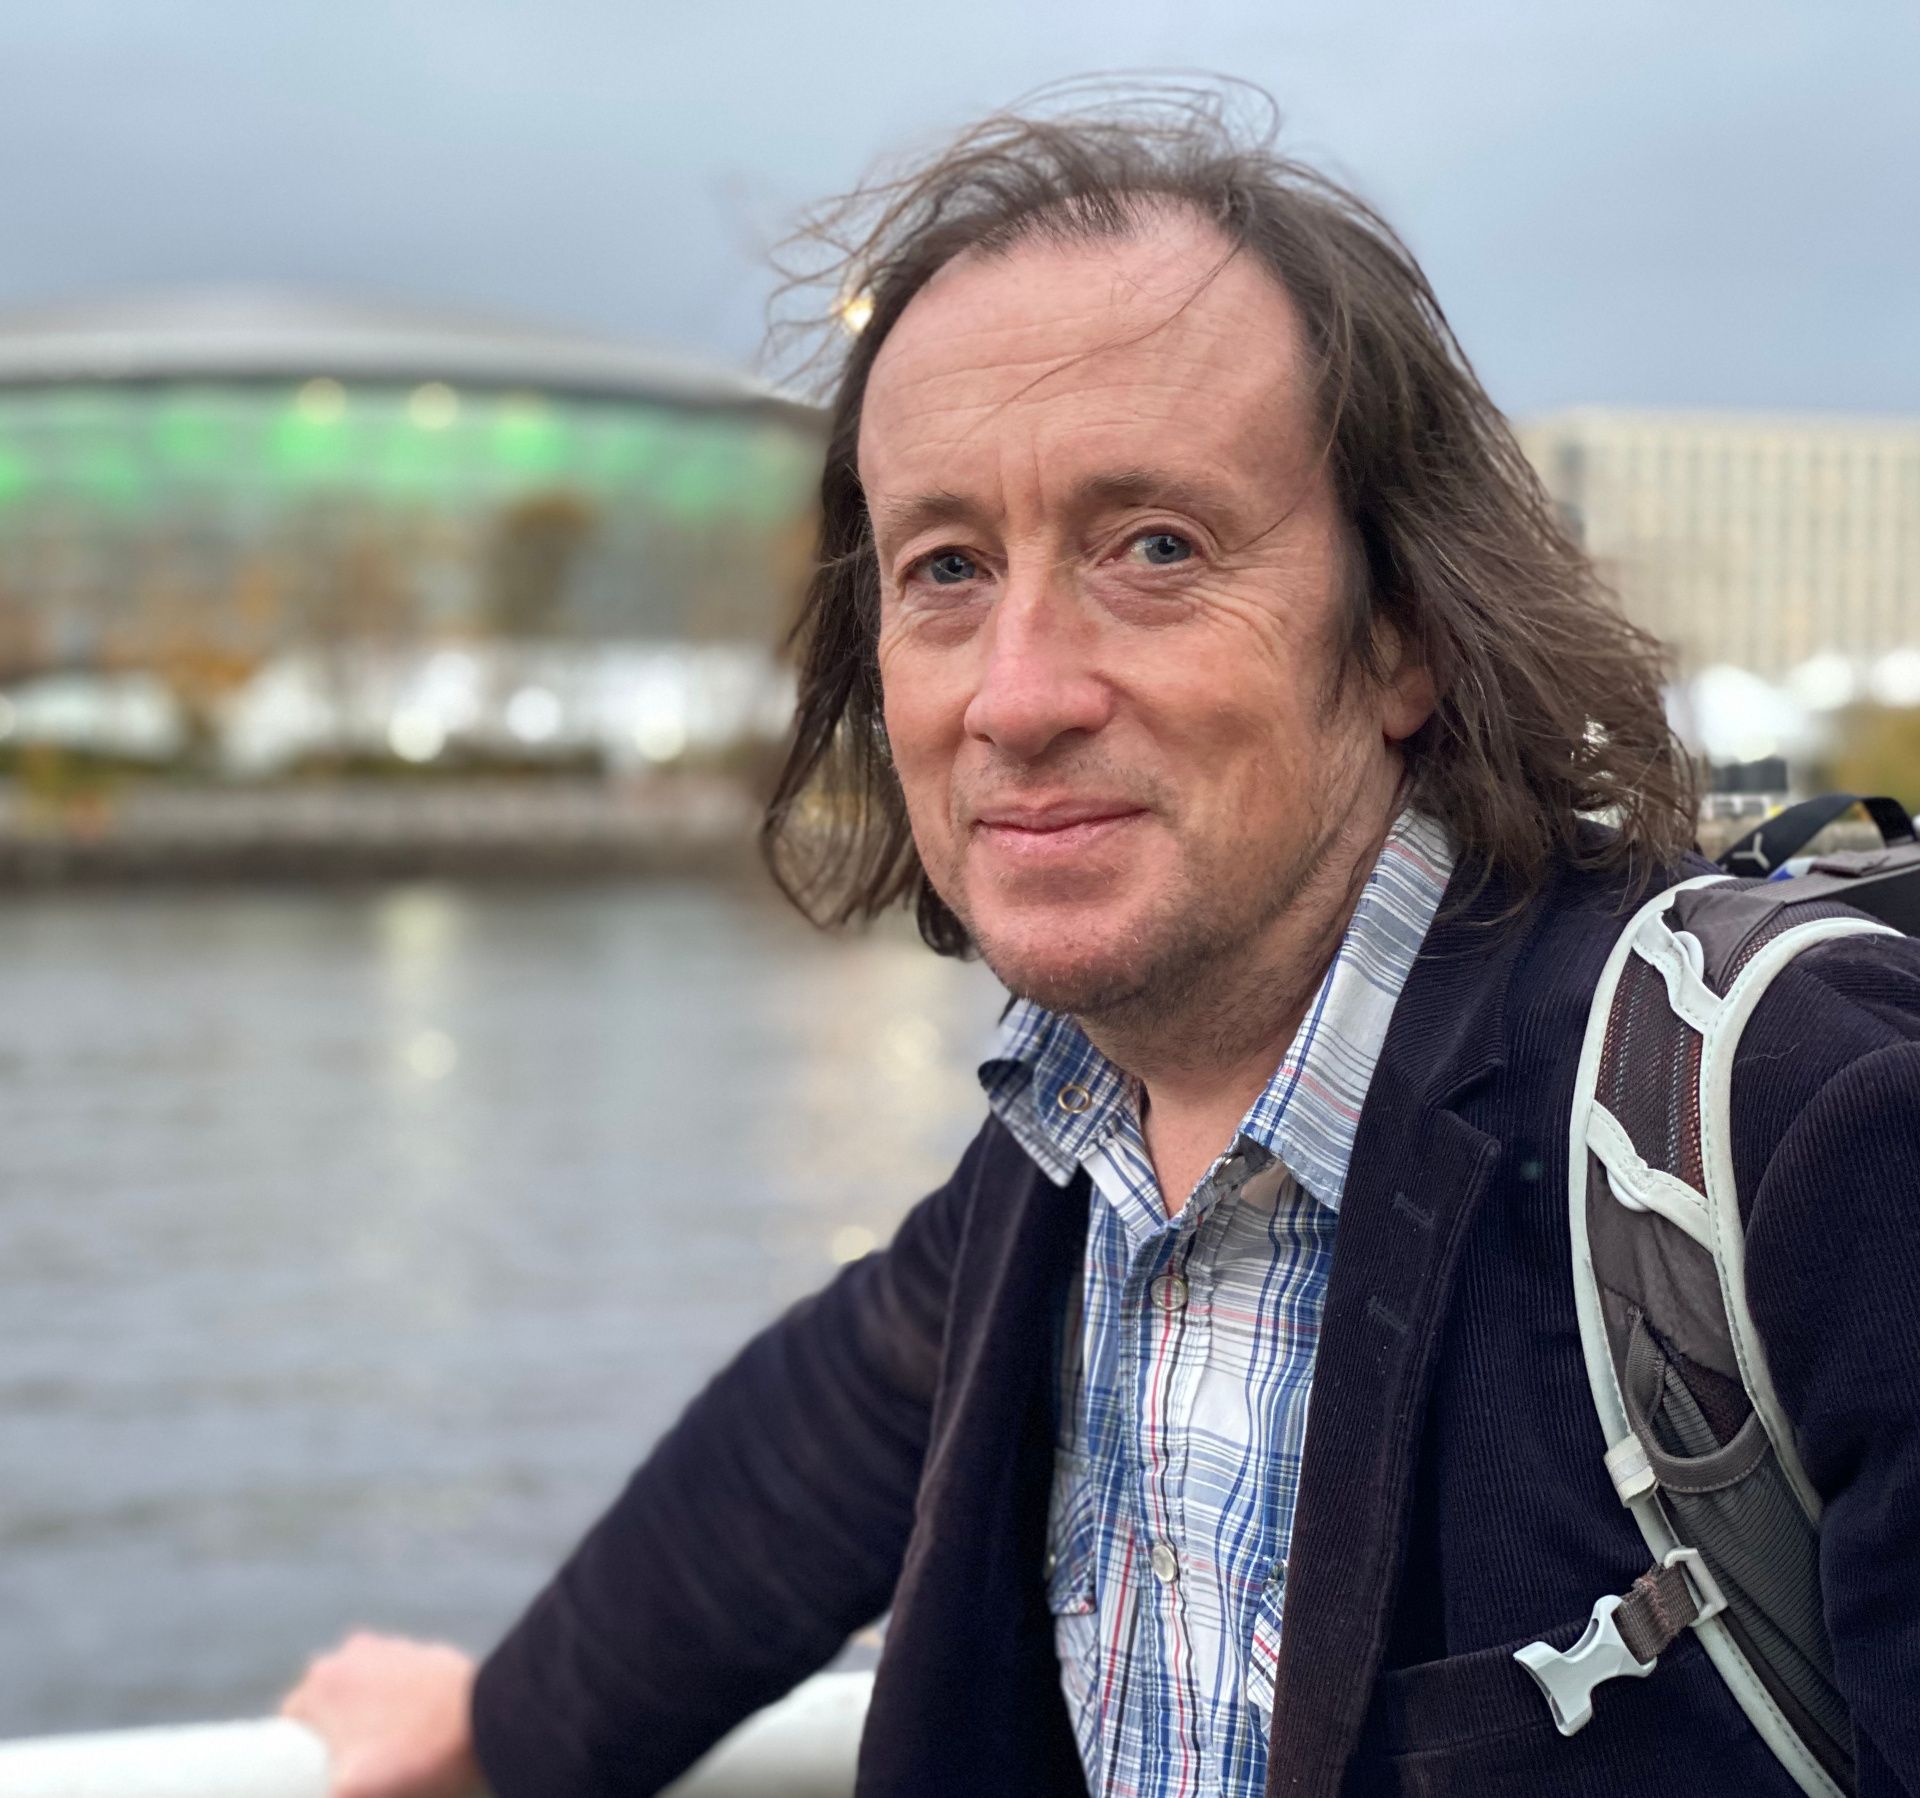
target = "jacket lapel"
x: 1418, y: 1172
x: 967, y: 1697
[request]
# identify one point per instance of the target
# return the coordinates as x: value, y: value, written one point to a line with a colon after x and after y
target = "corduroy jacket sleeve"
x: 1834, y: 1278
x: 765, y: 1527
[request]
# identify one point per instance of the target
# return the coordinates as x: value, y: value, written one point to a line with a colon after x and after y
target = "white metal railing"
x: 802, y: 1747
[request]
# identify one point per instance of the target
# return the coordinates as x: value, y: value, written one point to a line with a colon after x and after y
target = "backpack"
x: 1695, y: 1441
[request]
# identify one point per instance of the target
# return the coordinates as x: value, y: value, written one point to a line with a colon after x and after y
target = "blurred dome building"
x: 197, y: 486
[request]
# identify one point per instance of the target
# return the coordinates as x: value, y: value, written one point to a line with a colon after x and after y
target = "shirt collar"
x: 1059, y: 1096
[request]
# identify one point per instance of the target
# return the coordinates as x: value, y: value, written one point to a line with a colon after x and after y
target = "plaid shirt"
x: 1185, y: 1373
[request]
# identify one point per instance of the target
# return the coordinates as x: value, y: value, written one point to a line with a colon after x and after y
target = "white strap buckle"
x: 1568, y: 1675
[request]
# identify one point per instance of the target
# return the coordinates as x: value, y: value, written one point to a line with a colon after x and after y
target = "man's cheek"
x: 929, y: 810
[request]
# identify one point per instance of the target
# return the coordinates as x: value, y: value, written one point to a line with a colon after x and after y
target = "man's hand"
x: 393, y: 1714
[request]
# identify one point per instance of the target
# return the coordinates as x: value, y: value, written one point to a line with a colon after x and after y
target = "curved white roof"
x: 245, y: 334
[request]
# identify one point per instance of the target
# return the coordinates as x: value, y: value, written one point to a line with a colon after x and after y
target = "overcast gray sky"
x: 1660, y: 201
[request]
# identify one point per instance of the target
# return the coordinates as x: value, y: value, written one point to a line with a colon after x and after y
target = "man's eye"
x: 1160, y: 549
x: 949, y: 568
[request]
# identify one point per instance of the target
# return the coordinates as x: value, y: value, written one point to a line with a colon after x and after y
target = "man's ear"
x: 1407, y: 693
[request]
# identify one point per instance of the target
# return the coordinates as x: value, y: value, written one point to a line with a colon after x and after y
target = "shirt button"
x: 1053, y: 1565
x: 1073, y: 1098
x: 1169, y: 1292
x: 1164, y: 1562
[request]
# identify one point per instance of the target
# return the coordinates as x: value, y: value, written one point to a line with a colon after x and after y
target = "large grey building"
x: 1760, y: 541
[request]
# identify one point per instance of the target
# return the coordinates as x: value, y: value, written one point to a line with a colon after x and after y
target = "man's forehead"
x: 1106, y: 345
x: 1097, y: 487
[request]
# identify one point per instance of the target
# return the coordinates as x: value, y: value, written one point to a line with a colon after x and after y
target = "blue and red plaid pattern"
x: 1185, y: 1378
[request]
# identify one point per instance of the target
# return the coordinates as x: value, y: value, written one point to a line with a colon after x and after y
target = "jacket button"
x: 1164, y: 1562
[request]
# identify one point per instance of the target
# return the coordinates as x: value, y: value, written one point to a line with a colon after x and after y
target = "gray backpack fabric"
x: 1694, y: 1438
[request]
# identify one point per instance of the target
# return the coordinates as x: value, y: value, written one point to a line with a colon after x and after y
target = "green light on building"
x: 110, y: 474
x: 529, y: 439
x: 191, y: 434
x: 303, y: 449
x: 15, y: 479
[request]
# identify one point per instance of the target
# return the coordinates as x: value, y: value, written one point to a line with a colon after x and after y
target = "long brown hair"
x: 1549, y: 706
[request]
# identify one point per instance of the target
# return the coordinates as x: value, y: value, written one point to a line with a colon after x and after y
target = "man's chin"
x: 1081, y: 985
x: 1094, y: 954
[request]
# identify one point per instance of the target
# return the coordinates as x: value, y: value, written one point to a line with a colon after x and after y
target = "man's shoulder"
x: 1863, y: 990
x: 1829, y: 1009
x: 1566, y: 932
x: 1834, y: 1008
x: 1837, y: 1002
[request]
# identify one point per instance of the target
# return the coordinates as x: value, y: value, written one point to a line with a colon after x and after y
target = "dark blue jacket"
x: 888, y: 1442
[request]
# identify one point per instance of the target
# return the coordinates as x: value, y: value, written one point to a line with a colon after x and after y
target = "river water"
x: 353, y: 1246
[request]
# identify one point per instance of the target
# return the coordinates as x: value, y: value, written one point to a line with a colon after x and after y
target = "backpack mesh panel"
x: 1650, y: 1075
x: 1765, y: 1554
x: 1723, y: 1403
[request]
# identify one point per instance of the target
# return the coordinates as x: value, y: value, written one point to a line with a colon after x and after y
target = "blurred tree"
x: 536, y: 544
x: 22, y: 646
x: 356, y: 588
x: 1877, y: 750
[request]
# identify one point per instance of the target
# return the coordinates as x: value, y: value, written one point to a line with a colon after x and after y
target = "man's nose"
x: 1039, y: 681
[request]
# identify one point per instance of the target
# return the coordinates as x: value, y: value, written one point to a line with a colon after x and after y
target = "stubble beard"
x: 1191, y: 981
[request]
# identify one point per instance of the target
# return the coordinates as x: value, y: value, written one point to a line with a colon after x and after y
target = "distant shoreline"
x: 349, y: 831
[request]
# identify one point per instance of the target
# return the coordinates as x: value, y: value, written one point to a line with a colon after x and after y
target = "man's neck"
x: 1202, y: 1063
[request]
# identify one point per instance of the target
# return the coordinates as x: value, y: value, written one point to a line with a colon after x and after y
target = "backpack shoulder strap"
x: 1695, y: 1442
x: 1748, y: 934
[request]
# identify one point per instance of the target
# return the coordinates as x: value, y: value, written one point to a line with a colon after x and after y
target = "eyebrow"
x: 896, y: 519
x: 906, y: 517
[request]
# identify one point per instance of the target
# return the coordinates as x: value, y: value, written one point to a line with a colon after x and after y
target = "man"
x: 1191, y: 640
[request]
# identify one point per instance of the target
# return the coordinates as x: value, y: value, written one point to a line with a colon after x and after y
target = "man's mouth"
x: 1058, y: 832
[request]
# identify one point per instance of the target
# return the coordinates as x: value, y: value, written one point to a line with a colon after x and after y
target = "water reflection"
x: 352, y: 1247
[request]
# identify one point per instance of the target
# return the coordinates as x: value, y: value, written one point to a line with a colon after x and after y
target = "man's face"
x: 1110, y: 573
